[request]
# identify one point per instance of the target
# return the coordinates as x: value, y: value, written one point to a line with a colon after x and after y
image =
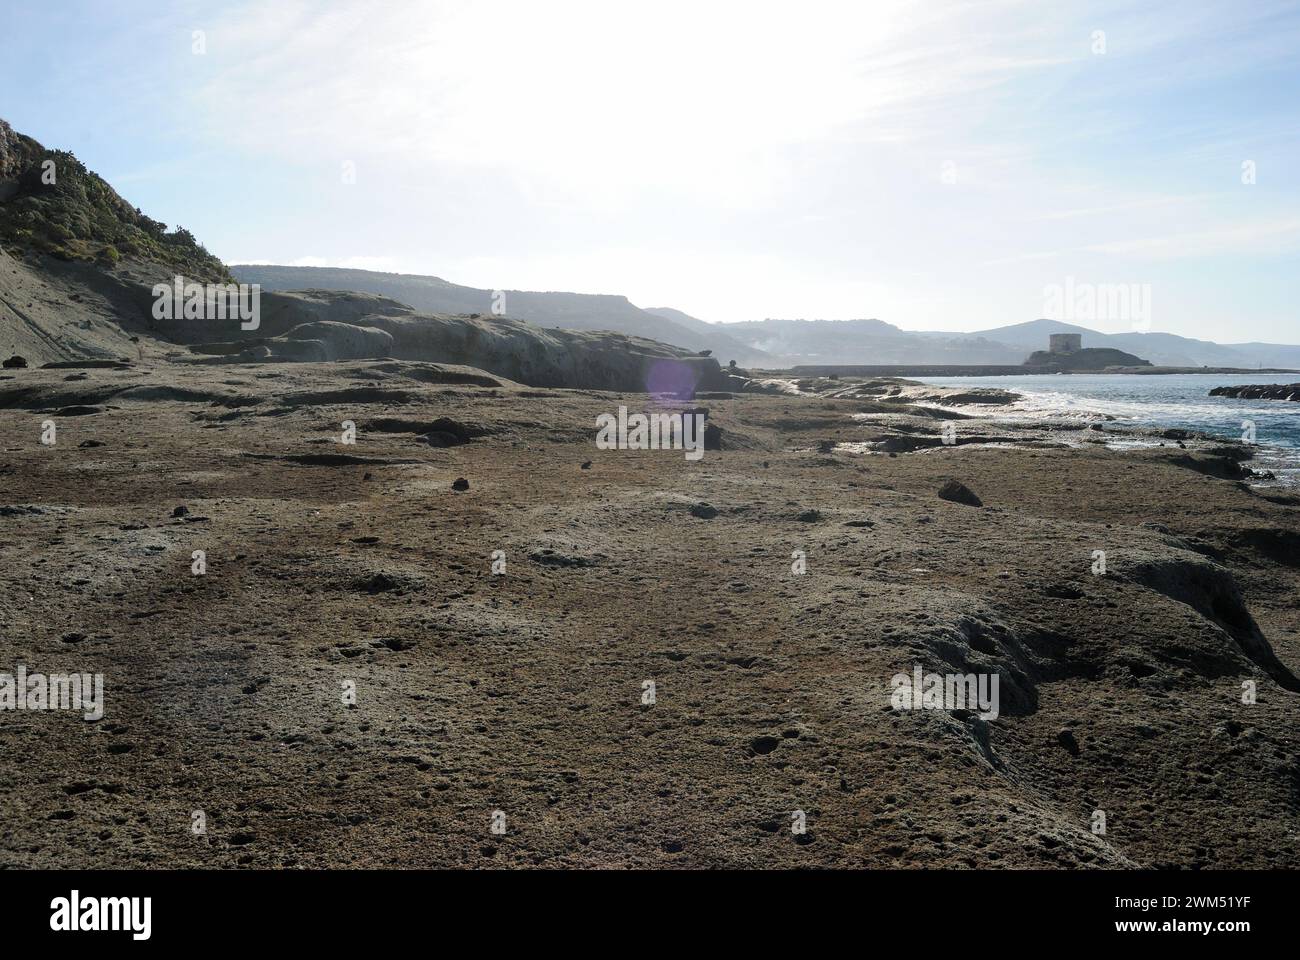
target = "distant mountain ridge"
x: 869, y: 341
x: 75, y: 255
x: 876, y: 342
x: 1162, y: 349
x: 771, y: 343
x: 569, y: 311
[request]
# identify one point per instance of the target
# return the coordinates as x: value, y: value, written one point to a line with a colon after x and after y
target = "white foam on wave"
x: 1208, y: 416
x: 1152, y: 411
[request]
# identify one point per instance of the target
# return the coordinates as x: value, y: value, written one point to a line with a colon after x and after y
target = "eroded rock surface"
x: 1124, y: 602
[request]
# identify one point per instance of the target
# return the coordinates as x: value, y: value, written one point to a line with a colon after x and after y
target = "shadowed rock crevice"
x: 442, y: 432
x: 1211, y: 591
x: 328, y: 459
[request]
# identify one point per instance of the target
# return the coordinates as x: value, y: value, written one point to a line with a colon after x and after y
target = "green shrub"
x: 81, y: 216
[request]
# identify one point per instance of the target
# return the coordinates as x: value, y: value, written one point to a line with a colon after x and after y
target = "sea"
x: 1164, y: 400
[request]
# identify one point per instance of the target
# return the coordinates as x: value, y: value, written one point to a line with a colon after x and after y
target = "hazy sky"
x: 934, y: 165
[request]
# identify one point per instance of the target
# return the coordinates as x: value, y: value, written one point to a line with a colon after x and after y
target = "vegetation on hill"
x: 50, y: 202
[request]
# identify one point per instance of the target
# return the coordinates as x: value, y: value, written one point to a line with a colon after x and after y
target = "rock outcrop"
x: 1089, y: 358
x: 1260, y: 391
x: 338, y: 328
x: 957, y: 492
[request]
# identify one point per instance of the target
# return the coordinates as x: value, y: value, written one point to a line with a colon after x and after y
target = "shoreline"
x: 1280, y: 463
x: 1012, y: 416
x: 998, y: 370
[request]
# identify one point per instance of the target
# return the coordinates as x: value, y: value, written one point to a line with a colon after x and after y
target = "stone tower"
x: 1065, y: 342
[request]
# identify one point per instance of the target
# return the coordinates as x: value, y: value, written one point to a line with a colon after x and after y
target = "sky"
x: 936, y: 165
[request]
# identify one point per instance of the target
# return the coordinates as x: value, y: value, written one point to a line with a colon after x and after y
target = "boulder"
x: 957, y: 492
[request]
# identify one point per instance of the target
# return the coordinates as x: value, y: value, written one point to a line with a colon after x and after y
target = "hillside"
x: 569, y: 311
x: 686, y: 320
x: 50, y: 311
x: 77, y: 260
x: 51, y: 204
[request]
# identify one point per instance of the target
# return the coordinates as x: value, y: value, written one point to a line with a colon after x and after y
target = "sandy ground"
x: 332, y: 568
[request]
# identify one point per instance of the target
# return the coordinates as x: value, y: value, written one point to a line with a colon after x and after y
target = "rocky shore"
x: 1272, y: 391
x: 632, y: 658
